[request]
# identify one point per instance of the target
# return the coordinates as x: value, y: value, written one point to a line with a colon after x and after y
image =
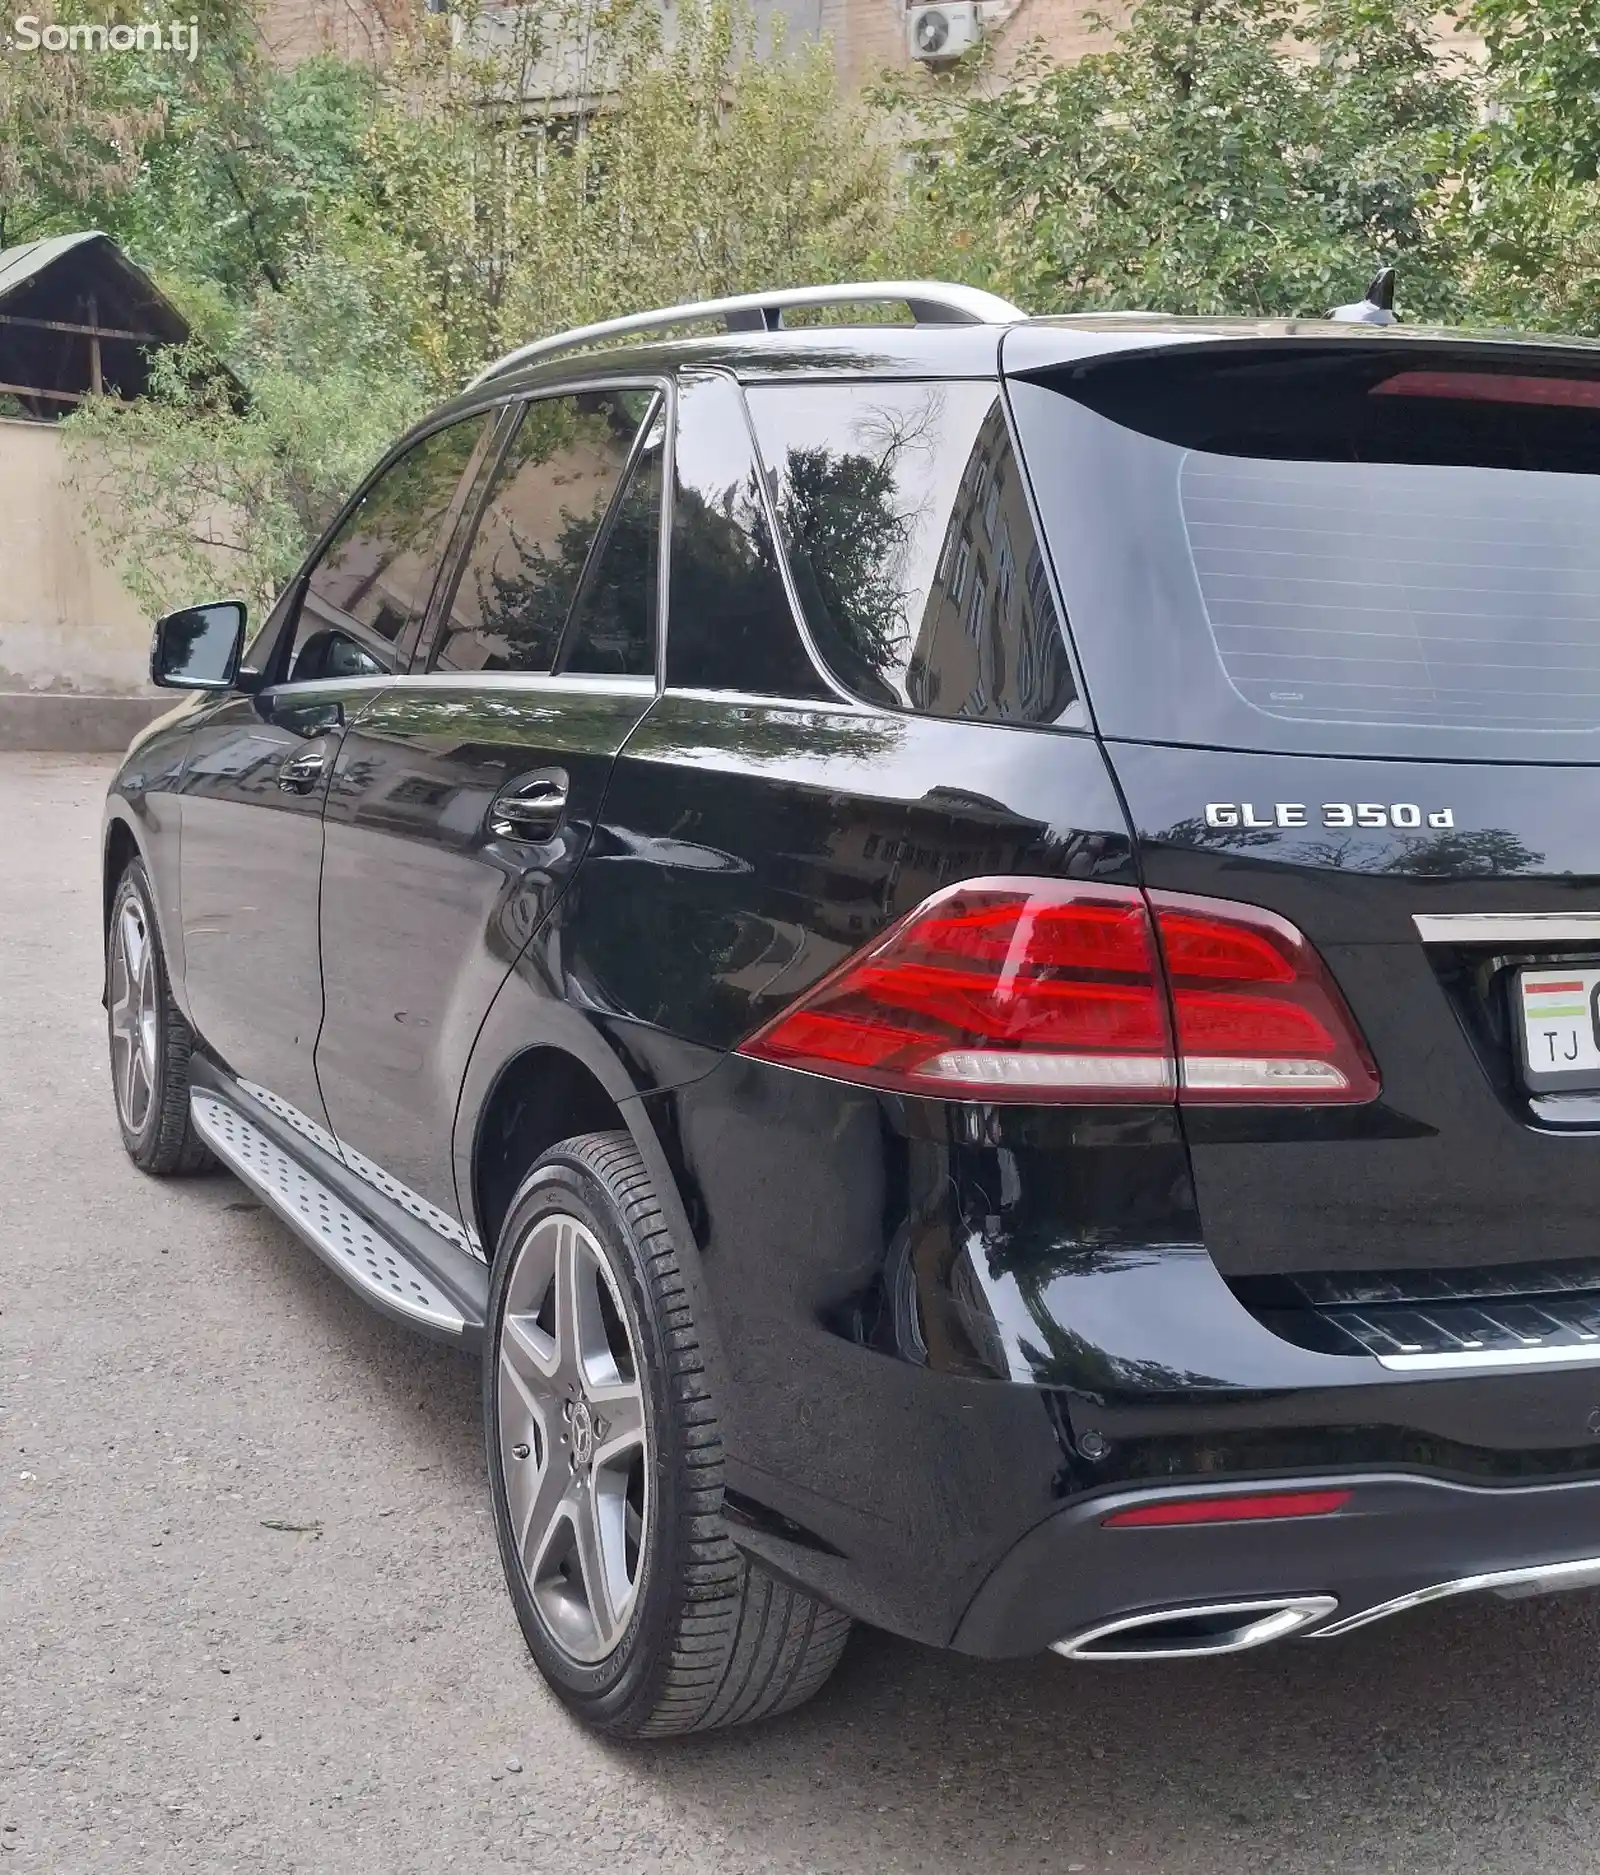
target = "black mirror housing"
x: 199, y: 648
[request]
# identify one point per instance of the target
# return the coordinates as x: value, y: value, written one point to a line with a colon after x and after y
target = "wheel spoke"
x: 570, y: 1278
x: 619, y: 1422
x: 600, y: 1558
x: 138, y: 1087
x: 530, y: 1351
x: 133, y: 941
x: 546, y: 1509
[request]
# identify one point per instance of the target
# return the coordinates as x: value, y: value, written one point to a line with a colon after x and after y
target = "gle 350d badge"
x: 1405, y: 814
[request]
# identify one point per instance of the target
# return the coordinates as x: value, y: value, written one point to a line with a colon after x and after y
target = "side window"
x: 913, y: 551
x: 729, y: 624
x: 366, y: 596
x: 532, y: 542
x: 612, y: 632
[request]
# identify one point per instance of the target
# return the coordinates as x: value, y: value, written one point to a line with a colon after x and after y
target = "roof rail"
x: 931, y: 303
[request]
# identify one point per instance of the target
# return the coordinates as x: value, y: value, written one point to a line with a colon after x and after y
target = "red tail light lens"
x: 1003, y: 987
x: 1029, y: 989
x: 1257, y: 1015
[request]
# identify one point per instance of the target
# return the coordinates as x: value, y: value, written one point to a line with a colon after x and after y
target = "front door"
x: 256, y: 783
x: 465, y: 797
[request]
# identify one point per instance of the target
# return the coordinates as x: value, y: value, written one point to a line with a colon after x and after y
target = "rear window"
x: 1386, y: 548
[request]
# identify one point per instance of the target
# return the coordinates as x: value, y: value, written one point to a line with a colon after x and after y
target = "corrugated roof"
x: 20, y: 264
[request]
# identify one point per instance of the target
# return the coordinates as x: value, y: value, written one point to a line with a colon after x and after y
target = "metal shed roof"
x: 77, y: 316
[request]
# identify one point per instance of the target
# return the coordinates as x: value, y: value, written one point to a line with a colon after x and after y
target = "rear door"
x: 1338, y: 607
x: 465, y: 796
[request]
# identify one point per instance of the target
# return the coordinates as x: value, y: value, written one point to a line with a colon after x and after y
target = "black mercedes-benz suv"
x: 969, y: 951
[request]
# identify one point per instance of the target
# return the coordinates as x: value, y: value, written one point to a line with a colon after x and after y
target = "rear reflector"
x: 1192, y: 1510
x: 1041, y: 989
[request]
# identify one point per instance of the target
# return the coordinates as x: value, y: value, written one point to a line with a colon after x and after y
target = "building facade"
x: 868, y: 37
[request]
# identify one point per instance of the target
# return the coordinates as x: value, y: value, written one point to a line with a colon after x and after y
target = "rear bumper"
x: 1398, y: 1543
x: 952, y: 1337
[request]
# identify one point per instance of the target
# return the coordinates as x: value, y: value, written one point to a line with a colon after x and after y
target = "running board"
x: 372, y: 1263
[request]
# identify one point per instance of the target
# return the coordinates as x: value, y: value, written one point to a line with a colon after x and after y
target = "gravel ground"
x: 251, y: 1616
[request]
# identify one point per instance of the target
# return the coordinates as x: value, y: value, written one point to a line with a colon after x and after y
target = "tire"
x: 693, y: 1634
x: 150, y: 1041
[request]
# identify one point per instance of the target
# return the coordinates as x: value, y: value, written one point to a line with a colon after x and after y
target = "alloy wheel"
x: 133, y: 1015
x: 574, y: 1444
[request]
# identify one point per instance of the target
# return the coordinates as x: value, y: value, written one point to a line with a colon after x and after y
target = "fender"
x: 637, y: 1066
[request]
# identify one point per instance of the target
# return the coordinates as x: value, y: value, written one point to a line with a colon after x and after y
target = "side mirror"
x: 199, y: 647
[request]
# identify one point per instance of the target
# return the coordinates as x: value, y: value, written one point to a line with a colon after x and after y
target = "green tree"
x: 1219, y: 156
x: 356, y: 246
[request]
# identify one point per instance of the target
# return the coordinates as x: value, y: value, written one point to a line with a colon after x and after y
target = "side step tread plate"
x: 340, y: 1235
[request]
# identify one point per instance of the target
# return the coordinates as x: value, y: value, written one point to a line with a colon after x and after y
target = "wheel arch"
x: 542, y: 1071
x: 120, y: 846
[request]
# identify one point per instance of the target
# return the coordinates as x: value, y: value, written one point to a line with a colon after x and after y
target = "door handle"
x: 530, y: 808
x: 301, y: 773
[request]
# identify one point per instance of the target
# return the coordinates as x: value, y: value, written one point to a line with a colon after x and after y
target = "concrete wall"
x: 67, y: 623
x: 74, y: 644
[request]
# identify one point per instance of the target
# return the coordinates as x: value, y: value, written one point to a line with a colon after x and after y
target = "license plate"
x: 1560, y: 1027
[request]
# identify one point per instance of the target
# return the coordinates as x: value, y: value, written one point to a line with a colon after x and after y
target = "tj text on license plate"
x: 1560, y: 1027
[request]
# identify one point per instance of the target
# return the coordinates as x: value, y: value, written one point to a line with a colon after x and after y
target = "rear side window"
x: 366, y: 595
x: 549, y: 496
x: 730, y: 626
x: 1386, y: 547
x: 912, y: 547
x: 612, y: 632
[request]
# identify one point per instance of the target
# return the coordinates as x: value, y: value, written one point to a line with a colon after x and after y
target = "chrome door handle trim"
x: 1508, y: 927
x: 531, y: 809
x: 301, y: 773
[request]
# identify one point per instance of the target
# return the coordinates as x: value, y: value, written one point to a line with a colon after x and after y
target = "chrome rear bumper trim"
x: 1533, y: 1579
x: 1564, y: 1354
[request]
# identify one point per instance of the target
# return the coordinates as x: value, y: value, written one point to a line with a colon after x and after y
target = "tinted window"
x: 730, y: 625
x: 1388, y: 548
x: 613, y: 631
x: 367, y: 593
x: 914, y: 554
x: 549, y: 496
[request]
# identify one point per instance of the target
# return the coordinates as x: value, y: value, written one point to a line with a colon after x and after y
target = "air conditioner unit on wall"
x: 937, y: 33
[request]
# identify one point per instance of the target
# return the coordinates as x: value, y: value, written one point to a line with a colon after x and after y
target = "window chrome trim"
x: 1508, y: 927
x: 536, y: 683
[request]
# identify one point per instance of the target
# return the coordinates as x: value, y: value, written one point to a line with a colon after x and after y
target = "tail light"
x: 1029, y: 989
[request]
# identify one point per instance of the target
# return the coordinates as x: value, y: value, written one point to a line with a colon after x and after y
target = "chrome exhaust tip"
x: 1187, y: 1633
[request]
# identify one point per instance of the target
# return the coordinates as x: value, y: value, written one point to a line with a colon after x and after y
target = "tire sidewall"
x: 627, y: 1681
x: 134, y: 884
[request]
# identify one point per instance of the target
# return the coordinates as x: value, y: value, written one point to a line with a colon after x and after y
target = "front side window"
x: 551, y: 491
x: 897, y: 503
x: 365, y: 597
